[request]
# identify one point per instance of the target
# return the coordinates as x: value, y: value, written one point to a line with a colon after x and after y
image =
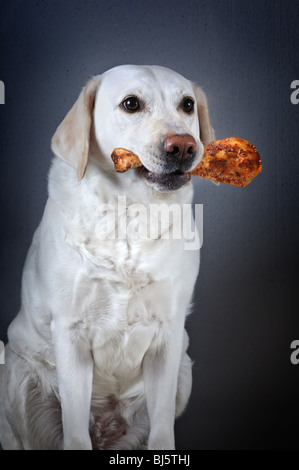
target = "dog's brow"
x: 139, y: 93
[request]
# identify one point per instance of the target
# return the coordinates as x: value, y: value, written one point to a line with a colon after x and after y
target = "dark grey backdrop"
x: 245, y: 55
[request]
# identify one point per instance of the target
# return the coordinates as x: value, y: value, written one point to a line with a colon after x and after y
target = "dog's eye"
x: 131, y: 104
x: 187, y: 105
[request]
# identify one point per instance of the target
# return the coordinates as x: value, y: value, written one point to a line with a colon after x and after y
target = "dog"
x: 97, y: 356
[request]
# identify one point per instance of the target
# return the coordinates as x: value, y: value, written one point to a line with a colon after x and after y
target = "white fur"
x: 97, y: 354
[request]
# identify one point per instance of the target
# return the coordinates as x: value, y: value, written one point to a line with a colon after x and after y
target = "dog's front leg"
x: 74, y: 370
x: 160, y: 369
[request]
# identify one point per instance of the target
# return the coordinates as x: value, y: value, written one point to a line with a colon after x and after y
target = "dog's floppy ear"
x: 71, y: 139
x: 207, y: 134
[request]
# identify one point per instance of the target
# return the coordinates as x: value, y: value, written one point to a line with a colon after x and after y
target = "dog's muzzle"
x: 166, y: 182
x: 179, y: 154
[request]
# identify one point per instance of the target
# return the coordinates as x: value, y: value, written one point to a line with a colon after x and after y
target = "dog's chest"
x: 135, y: 263
x: 120, y: 324
x: 124, y: 347
x: 124, y: 293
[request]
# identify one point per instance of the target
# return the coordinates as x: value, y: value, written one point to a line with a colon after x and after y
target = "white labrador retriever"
x: 97, y: 354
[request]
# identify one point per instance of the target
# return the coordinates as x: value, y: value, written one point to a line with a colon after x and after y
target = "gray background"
x: 245, y: 55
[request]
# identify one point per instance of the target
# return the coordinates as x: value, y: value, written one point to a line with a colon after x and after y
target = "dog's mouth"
x: 166, y: 182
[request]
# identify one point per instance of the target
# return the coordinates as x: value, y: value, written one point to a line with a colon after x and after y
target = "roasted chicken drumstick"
x: 231, y: 161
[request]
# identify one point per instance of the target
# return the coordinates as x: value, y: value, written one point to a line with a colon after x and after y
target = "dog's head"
x: 152, y: 111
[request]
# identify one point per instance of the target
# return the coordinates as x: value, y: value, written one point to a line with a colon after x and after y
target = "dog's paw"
x: 161, y: 442
x: 77, y: 444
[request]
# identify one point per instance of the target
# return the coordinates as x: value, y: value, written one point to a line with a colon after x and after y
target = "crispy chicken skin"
x: 124, y: 160
x: 231, y: 161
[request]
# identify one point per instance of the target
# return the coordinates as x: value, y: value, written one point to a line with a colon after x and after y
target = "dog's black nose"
x: 180, y: 146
